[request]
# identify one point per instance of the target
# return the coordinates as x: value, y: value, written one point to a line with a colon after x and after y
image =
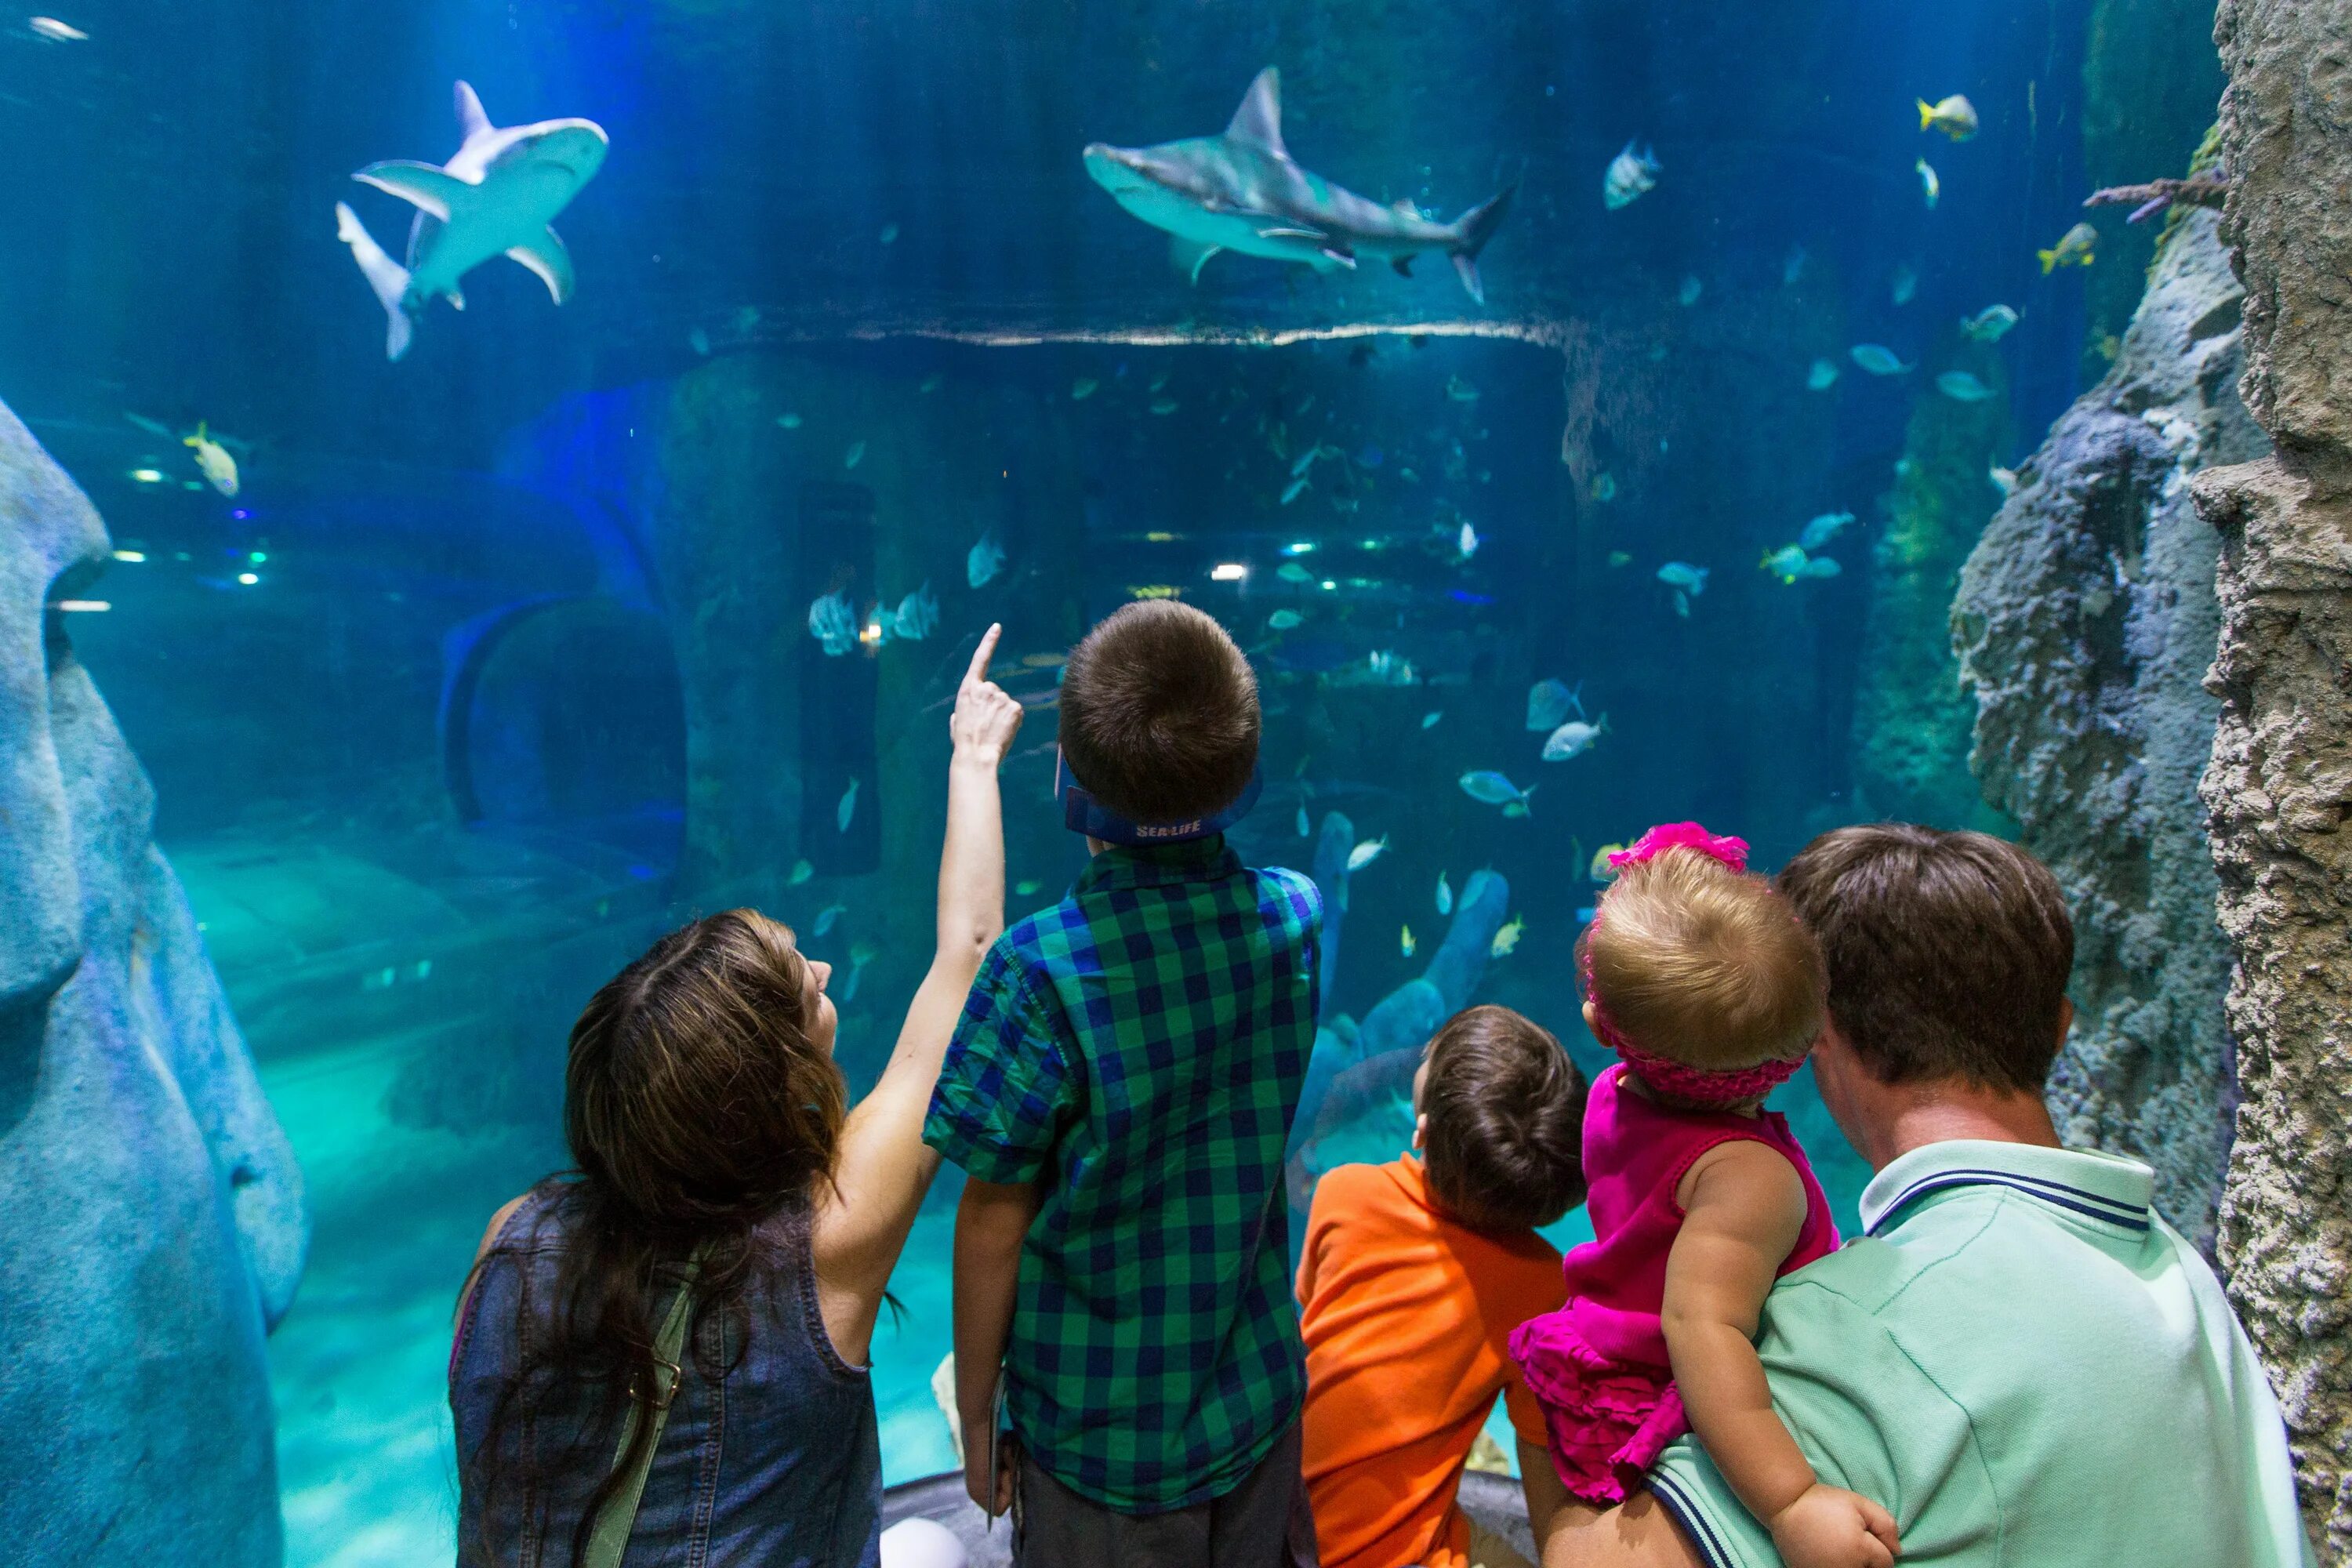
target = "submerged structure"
x: 1759, y: 452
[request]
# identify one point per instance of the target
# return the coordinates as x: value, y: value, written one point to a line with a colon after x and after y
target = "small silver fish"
x: 1963, y: 388
x: 57, y: 32
x: 1488, y: 787
x: 1404, y: 941
x: 789, y: 421
x: 846, y: 809
x: 1467, y: 542
x: 1549, y: 701
x: 1631, y: 176
x: 1574, y: 738
x: 1286, y: 620
x: 983, y: 560
x: 1787, y: 563
x: 1903, y: 285
x: 855, y: 456
x: 1370, y: 850
x: 1303, y: 828
x: 1295, y: 489
x: 1690, y: 292
x: 1930, y: 186
x: 1955, y: 117
x: 213, y: 460
x: 1082, y: 388
x: 1292, y: 571
x: 1445, y: 895
x: 1429, y: 719
x: 1821, y: 377
x: 1165, y: 405
x: 1823, y: 529
x: 802, y: 871
x: 825, y: 918
x: 1989, y: 325
x: 1878, y: 360
x: 1682, y: 574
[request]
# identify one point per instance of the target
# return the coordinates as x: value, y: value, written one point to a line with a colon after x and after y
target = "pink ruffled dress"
x: 1598, y: 1365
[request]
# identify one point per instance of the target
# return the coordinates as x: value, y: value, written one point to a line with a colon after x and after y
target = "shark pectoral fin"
x: 471, y: 120
x: 1466, y: 269
x: 1404, y: 265
x: 1190, y: 256
x: 546, y: 257
x: 386, y: 277
x: 431, y: 190
x: 1339, y: 257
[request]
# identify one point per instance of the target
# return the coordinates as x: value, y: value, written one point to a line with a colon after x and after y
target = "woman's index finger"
x: 983, y: 653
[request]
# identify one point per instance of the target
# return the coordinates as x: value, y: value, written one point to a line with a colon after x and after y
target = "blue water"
x: 496, y: 665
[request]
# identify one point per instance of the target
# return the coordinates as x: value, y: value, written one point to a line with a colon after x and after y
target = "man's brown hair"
x: 1159, y: 717
x: 1505, y: 1145
x: 1947, y: 953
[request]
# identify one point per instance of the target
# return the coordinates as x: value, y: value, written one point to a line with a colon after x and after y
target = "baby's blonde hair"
x: 1705, y: 965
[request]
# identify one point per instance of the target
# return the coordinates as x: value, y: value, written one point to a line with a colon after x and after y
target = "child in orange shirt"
x: 1413, y: 1275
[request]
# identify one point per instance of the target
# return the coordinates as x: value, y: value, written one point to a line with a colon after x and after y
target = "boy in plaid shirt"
x: 1120, y: 1090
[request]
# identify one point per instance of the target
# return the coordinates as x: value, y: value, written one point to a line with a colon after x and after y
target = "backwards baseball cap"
x: 1082, y: 812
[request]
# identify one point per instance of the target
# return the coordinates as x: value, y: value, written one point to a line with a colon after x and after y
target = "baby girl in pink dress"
x: 1703, y: 980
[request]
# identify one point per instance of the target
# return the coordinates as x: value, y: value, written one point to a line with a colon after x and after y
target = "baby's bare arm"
x: 1744, y: 1207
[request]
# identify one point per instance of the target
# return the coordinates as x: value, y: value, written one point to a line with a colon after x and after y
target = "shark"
x: 497, y: 197
x: 1241, y: 191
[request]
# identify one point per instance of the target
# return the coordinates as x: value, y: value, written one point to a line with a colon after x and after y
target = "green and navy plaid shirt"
x: 1138, y: 1050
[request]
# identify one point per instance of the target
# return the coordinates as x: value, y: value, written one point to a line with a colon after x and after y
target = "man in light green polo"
x: 2019, y: 1358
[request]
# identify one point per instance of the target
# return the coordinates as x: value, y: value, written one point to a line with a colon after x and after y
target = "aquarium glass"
x: 462, y: 676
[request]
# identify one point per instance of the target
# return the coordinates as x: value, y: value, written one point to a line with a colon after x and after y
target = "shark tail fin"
x: 1473, y: 229
x: 385, y: 275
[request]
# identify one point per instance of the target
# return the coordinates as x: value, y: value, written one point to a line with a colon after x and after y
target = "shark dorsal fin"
x: 1259, y: 119
x: 471, y: 120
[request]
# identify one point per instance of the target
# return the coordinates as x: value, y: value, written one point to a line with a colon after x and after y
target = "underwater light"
x: 1329, y: 585
x: 1302, y: 547
x: 1228, y: 572
x: 148, y: 476
x: 247, y: 578
x: 241, y: 513
x: 80, y: 606
x: 871, y: 634
x: 257, y: 556
x: 134, y: 556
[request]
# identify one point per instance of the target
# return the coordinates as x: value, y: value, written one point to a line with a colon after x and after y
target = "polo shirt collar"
x: 1158, y: 864
x: 2104, y: 1187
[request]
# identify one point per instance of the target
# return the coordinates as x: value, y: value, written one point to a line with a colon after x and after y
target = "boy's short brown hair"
x: 1947, y: 953
x: 1160, y: 716
x: 1505, y: 1107
x: 1705, y: 965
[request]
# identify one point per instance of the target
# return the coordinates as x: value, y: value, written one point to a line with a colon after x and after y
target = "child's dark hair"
x: 1505, y: 1144
x: 1159, y: 713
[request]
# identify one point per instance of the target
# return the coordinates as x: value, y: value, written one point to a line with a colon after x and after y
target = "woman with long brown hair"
x: 662, y: 1352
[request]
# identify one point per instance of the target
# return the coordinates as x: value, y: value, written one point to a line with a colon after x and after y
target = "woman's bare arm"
x: 1744, y: 1207
x: 883, y: 1168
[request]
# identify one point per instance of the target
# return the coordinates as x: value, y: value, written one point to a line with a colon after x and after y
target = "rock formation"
x: 2280, y: 783
x: 2084, y: 623
x: 151, y: 1222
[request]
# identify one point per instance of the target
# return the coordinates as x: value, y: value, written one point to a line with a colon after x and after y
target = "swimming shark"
x: 496, y: 197
x: 1241, y: 191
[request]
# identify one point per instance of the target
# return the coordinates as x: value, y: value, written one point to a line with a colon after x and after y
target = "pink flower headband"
x: 1696, y: 1085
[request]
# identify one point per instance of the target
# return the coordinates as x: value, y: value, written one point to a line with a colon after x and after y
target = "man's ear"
x: 1592, y: 1017
x: 1420, y: 1132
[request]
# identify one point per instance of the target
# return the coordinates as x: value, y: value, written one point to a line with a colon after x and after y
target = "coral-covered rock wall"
x: 2280, y: 783
x: 2084, y: 622
x: 152, y: 1219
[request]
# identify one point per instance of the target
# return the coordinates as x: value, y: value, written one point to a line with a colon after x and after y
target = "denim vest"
x: 770, y: 1455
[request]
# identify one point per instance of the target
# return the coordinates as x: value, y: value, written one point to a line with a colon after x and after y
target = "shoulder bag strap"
x: 610, y: 1539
